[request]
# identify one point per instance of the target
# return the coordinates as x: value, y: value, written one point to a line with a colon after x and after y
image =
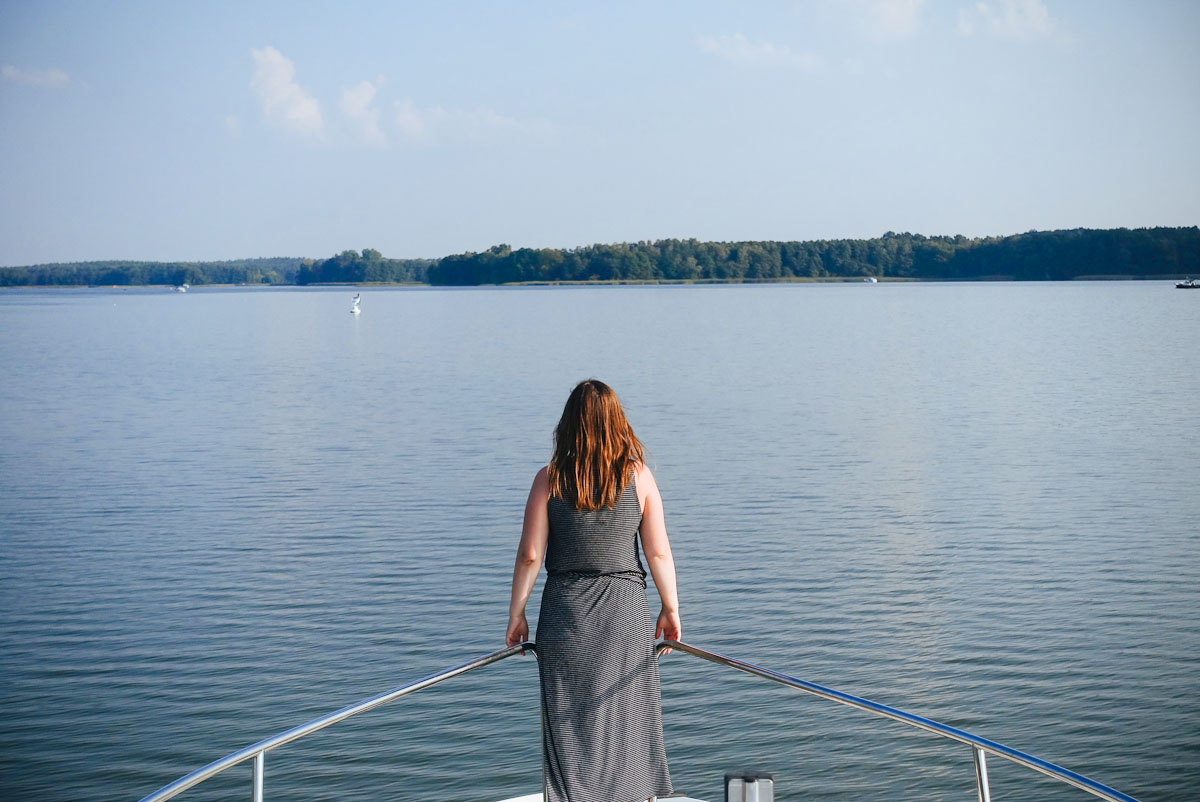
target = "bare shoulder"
x: 541, y: 483
x: 645, y: 479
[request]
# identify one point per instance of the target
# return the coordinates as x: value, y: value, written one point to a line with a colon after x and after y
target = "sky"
x: 205, y: 131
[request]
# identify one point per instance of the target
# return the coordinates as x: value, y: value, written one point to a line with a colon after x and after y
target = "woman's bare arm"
x: 530, y: 554
x: 657, y: 549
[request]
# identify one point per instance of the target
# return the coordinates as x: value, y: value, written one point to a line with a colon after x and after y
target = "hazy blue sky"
x: 210, y: 130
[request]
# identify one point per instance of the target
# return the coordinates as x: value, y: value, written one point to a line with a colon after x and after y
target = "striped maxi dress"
x: 602, y: 737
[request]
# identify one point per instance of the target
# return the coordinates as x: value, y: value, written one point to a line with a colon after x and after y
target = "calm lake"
x: 226, y: 512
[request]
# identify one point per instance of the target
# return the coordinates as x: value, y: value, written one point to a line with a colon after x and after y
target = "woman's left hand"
x: 518, y: 630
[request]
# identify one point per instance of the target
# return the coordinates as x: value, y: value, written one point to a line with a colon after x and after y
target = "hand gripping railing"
x: 259, y: 750
x: 981, y: 747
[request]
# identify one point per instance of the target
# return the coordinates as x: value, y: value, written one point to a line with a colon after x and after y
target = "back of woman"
x: 587, y: 511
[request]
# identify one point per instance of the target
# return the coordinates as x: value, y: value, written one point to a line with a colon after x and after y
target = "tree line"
x: 352, y: 267
x: 1032, y: 256
x: 274, y: 270
x: 1036, y: 255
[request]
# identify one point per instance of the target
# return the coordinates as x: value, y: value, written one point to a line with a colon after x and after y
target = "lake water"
x: 227, y: 512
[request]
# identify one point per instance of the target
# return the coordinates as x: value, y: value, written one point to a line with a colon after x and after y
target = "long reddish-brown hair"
x: 595, y: 449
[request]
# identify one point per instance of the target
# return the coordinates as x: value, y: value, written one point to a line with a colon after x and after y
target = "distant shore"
x: 599, y: 283
x: 1118, y: 254
x: 603, y: 282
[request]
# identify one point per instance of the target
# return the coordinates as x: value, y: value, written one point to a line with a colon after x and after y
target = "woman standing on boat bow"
x: 602, y: 735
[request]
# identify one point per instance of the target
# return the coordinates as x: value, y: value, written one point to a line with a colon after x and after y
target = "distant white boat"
x: 871, y: 280
x: 354, y: 310
x: 183, y: 287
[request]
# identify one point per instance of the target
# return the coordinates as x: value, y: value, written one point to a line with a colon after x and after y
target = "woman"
x: 601, y: 710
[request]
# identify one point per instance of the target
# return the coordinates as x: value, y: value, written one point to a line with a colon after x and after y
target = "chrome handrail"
x: 259, y: 750
x: 980, y: 746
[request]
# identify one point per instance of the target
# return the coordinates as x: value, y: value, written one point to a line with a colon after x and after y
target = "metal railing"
x: 980, y: 747
x: 259, y: 750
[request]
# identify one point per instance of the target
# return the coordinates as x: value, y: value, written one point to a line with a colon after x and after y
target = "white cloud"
x: 737, y: 49
x: 53, y: 78
x: 356, y: 104
x: 1011, y: 19
x: 411, y: 120
x: 284, y: 102
x: 438, y: 123
x: 889, y: 19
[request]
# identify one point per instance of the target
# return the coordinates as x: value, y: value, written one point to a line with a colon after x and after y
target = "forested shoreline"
x: 1032, y: 256
x: 276, y: 270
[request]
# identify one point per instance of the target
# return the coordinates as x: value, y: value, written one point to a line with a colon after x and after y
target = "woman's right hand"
x: 668, y: 626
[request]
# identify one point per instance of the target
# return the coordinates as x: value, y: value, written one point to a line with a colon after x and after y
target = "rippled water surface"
x: 226, y: 512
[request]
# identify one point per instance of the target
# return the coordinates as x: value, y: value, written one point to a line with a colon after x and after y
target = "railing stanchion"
x: 981, y: 777
x: 256, y: 792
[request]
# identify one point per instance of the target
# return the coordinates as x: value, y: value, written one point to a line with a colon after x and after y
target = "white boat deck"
x: 538, y: 798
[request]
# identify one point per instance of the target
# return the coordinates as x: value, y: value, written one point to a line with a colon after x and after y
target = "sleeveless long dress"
x: 602, y: 737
